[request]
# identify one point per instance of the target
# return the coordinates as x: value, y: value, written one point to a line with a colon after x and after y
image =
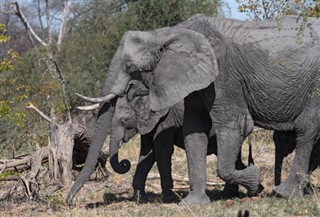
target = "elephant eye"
x: 137, y: 39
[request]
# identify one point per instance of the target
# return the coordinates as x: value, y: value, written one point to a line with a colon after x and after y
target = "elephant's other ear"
x: 187, y: 64
x: 136, y: 89
x: 146, y: 118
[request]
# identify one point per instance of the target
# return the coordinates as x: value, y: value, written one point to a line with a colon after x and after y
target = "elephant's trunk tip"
x: 121, y: 167
x: 75, y: 188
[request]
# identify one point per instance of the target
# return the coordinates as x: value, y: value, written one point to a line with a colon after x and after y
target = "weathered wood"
x: 67, y: 148
x: 64, y: 149
x: 177, y: 178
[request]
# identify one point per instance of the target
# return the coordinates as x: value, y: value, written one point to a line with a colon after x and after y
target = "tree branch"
x: 25, y: 22
x: 66, y: 11
x: 49, y: 26
x: 63, y: 86
x: 40, y: 15
x: 32, y: 107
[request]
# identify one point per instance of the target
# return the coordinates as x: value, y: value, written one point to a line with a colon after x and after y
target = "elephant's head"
x: 132, y: 114
x: 171, y: 62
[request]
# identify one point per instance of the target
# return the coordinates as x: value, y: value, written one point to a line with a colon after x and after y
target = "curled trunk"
x: 115, y: 138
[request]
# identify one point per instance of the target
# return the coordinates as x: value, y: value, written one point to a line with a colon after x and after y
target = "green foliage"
x: 55, y: 201
x: 27, y: 80
x: 152, y: 14
x: 266, y: 9
x: 7, y: 82
x: 315, y: 11
x: 6, y: 174
x: 3, y: 37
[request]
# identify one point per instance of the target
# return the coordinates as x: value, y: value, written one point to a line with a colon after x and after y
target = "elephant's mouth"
x: 120, y: 143
x: 145, y: 76
x: 129, y: 134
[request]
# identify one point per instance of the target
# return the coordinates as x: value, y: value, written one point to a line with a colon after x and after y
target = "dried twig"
x: 177, y: 178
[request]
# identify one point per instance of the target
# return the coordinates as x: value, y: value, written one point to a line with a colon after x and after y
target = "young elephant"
x: 285, y: 144
x: 159, y: 131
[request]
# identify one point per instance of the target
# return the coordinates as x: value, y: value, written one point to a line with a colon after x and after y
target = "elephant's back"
x: 272, y: 35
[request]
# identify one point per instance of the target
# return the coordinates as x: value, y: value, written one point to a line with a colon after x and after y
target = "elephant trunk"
x: 100, y: 132
x: 116, y: 137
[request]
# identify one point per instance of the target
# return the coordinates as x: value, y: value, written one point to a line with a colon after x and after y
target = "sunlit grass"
x: 116, y: 200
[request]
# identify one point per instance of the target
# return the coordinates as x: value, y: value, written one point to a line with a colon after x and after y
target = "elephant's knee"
x: 225, y: 174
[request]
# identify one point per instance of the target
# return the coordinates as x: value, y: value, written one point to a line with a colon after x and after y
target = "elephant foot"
x: 289, y: 190
x: 140, y: 197
x: 309, y: 189
x: 169, y: 197
x: 251, y: 180
x: 195, y: 198
x: 230, y: 191
x: 260, y: 190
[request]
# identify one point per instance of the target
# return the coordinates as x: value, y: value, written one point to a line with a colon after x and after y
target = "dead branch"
x: 48, y: 24
x: 63, y: 24
x: 177, y: 178
x: 25, y: 162
x: 63, y: 85
x: 27, y: 25
x: 32, y: 107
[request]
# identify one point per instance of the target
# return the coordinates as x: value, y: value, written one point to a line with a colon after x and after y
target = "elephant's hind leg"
x: 231, y: 129
x: 307, y: 133
x: 294, y: 185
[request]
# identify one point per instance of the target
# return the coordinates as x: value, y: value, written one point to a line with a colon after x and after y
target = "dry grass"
x: 115, y: 200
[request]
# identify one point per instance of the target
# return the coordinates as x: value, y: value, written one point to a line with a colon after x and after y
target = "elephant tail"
x: 250, y: 158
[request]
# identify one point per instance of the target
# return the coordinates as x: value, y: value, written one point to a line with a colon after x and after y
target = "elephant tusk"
x: 89, y: 107
x: 106, y: 98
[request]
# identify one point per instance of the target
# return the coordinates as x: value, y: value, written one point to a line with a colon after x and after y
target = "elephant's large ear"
x: 187, y: 64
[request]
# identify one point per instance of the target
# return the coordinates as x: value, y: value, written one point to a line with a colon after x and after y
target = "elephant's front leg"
x: 146, y: 161
x: 195, y: 131
x: 231, y: 129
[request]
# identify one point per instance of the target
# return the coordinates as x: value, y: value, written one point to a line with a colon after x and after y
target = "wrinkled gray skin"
x: 241, y: 73
x: 285, y: 144
x: 159, y: 131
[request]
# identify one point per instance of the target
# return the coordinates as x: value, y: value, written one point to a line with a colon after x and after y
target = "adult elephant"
x: 240, y: 73
x: 159, y: 132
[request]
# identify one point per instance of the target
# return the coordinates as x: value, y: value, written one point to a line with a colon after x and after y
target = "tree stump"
x: 67, y: 149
